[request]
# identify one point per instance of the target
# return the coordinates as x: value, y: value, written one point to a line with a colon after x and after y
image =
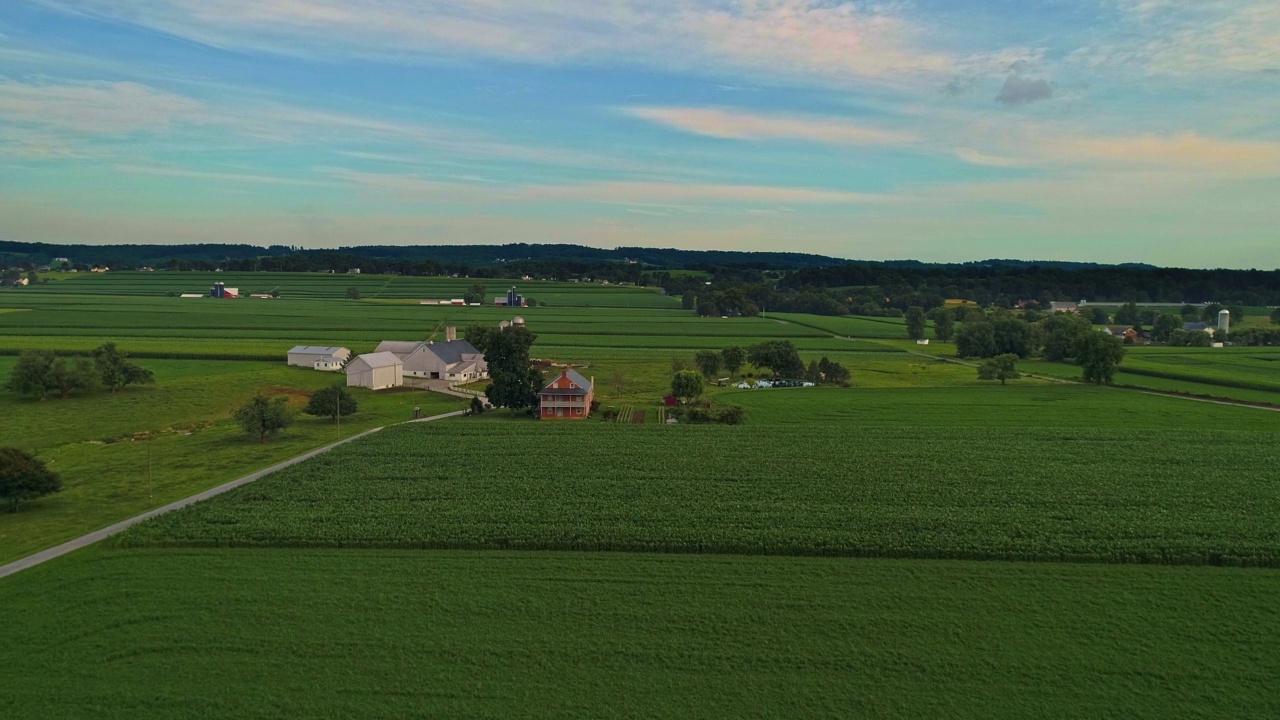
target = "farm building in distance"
x: 512, y: 299
x: 1066, y: 307
x: 319, y: 358
x: 568, y: 397
x: 452, y: 359
x: 376, y: 371
x: 220, y: 290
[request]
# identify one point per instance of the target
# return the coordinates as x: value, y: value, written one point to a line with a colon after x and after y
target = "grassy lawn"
x: 389, y: 634
x: 92, y: 441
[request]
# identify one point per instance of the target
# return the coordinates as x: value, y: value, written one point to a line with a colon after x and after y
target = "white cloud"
x: 826, y: 40
x: 1193, y: 37
x: 743, y: 125
x: 96, y: 108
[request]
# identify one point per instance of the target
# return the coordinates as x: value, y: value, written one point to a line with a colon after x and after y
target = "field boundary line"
x: 98, y: 535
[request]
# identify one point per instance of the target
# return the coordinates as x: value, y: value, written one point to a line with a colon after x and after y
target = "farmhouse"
x: 568, y: 397
x: 452, y: 359
x: 375, y: 371
x: 319, y: 358
x: 1065, y: 307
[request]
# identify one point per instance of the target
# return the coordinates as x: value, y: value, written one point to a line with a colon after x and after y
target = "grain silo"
x: 1224, y: 320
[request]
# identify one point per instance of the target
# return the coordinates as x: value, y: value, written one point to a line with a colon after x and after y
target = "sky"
x: 1088, y: 130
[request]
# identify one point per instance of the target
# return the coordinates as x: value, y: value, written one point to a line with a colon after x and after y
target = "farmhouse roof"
x: 1192, y: 326
x: 583, y: 384
x: 379, y: 360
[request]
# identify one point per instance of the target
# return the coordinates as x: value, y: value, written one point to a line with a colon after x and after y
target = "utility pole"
x: 151, y: 495
x: 338, y: 400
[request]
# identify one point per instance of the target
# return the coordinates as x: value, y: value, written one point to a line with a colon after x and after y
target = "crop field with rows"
x: 973, y: 493
x: 333, y: 286
x: 143, y: 634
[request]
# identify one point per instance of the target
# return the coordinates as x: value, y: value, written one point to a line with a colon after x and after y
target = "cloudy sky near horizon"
x: 1098, y: 130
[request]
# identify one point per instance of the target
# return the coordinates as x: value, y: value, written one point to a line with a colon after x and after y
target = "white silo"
x: 1224, y: 320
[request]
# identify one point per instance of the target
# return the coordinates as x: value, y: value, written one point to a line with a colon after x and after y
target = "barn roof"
x: 378, y: 360
x: 453, y: 351
x: 317, y: 350
x: 399, y: 347
x: 574, y: 377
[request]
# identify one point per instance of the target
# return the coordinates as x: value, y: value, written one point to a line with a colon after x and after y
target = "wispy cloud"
x: 819, y: 39
x: 96, y: 108
x: 1181, y: 38
x: 744, y: 125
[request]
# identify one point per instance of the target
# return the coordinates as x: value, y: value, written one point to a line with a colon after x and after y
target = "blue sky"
x: 1103, y: 130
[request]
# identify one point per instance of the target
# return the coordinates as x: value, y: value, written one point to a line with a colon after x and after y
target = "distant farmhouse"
x: 568, y: 397
x: 376, y: 371
x: 319, y: 358
x: 1066, y: 307
x: 452, y: 359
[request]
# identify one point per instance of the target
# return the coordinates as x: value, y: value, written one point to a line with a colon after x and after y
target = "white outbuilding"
x: 376, y: 371
x: 319, y: 358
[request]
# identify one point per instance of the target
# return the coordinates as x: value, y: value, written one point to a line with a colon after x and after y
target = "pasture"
x: 98, y: 442
x: 289, y: 634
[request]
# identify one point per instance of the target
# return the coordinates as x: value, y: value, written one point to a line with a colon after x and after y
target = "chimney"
x: 450, y: 333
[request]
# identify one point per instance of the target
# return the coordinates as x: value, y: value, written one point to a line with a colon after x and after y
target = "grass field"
x: 94, y: 441
x: 274, y: 634
x: 818, y: 561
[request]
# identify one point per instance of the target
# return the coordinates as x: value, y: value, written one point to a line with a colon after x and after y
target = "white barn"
x: 319, y: 358
x: 452, y: 359
x: 375, y: 371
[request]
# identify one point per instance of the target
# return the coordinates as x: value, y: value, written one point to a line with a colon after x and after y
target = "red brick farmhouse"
x: 568, y: 397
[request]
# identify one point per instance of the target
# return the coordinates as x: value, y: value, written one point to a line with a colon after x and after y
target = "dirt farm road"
x: 106, y: 532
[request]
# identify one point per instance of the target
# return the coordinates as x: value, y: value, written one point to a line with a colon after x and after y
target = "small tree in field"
x: 687, y: 385
x: 116, y: 372
x: 708, y: 362
x: 916, y: 322
x: 353, y: 293
x: 1099, y: 354
x: 1001, y: 367
x: 263, y: 416
x: 733, y: 357
x: 32, y: 374
x: 331, y: 402
x: 23, y: 478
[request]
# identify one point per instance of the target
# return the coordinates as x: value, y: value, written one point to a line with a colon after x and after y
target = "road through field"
x: 106, y: 532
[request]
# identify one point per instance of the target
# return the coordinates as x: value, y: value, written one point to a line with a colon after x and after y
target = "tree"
x: 263, y: 416
x: 1164, y: 326
x: 353, y: 293
x: 67, y: 378
x: 32, y: 374
x: 1062, y: 331
x: 686, y: 385
x: 1210, y: 312
x: 916, y: 322
x: 706, y: 308
x: 477, y: 407
x: 331, y: 402
x: 976, y: 340
x: 619, y: 381
x: 778, y: 356
x: 516, y: 381
x: 1099, y: 354
x: 479, y: 335
x: 23, y: 478
x: 1001, y: 367
x: 1127, y: 314
x: 1275, y: 316
x: 1012, y: 335
x: 708, y: 362
x: 833, y: 372
x: 1099, y: 317
x: 813, y: 373
x: 943, y: 326
x: 116, y: 372
x: 732, y: 358
x: 678, y: 363
x: 474, y: 294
